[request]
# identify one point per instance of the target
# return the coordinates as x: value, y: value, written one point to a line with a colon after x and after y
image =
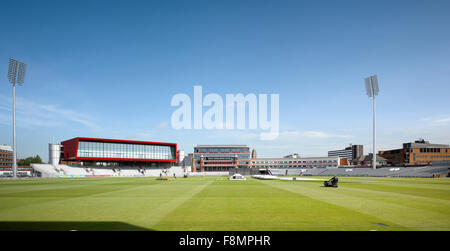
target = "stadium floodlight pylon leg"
x: 14, y: 134
x: 372, y: 90
x: 16, y: 74
x: 374, y: 156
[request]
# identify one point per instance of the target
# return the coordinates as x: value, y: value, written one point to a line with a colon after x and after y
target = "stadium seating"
x: 46, y: 170
x: 102, y: 171
x: 423, y: 171
x: 68, y: 170
x: 298, y: 171
x: 419, y: 172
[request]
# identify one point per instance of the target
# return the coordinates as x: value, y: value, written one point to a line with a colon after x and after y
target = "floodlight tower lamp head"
x: 368, y: 87
x: 12, y: 71
x: 21, y: 75
x: 371, y: 86
x: 374, y: 80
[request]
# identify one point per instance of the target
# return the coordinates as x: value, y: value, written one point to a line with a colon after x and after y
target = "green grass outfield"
x: 215, y: 203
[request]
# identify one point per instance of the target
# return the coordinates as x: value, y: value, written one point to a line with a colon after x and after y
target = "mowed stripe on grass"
x: 136, y: 201
x: 405, y: 205
x: 215, y: 203
x: 254, y: 205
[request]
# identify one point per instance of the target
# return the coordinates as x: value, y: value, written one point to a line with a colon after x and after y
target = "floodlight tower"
x: 16, y: 74
x: 372, y: 91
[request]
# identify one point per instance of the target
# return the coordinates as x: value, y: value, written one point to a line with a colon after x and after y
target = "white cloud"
x: 436, y: 121
x: 31, y: 114
x: 162, y: 125
x: 312, y: 134
x: 442, y: 121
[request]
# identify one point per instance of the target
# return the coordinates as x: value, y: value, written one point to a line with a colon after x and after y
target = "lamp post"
x: 372, y: 91
x: 16, y: 74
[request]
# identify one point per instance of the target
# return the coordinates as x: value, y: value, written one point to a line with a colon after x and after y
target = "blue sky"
x: 110, y: 68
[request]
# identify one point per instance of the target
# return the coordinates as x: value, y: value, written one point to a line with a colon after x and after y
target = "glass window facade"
x: 222, y: 150
x: 113, y: 150
x: 223, y: 153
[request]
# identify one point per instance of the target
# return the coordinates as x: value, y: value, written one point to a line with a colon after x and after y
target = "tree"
x: 27, y: 161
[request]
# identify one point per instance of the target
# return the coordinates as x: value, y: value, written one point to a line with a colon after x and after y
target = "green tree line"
x: 29, y: 160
